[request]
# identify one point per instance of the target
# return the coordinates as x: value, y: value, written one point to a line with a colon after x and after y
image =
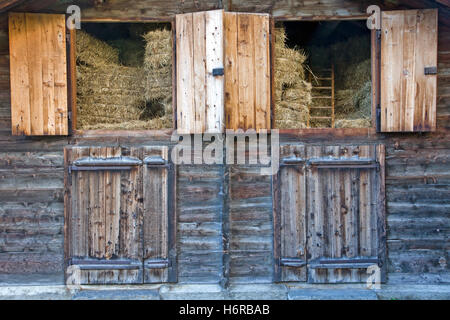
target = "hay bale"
x: 109, y: 94
x: 152, y: 124
x: 353, y: 75
x: 158, y: 64
x: 131, y: 52
x: 355, y: 123
x: 292, y: 92
x: 112, y: 86
x: 94, y: 52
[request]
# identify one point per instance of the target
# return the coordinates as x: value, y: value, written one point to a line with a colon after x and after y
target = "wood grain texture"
x: 248, y: 72
x: 185, y: 74
x: 408, y: 46
x: 215, y: 113
x: 344, y: 216
x: 200, y: 70
x: 200, y: 95
x: 231, y: 71
x: 156, y: 215
x: 105, y: 217
x: 38, y: 74
x: 292, y: 215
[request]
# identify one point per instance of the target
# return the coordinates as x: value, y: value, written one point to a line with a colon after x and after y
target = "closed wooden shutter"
x: 117, y: 214
x: 409, y: 70
x: 330, y: 213
x: 290, y: 215
x: 159, y: 227
x: 200, y: 91
x: 38, y: 74
x: 247, y: 71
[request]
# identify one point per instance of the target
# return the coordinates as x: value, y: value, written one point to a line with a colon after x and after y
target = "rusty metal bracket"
x: 92, y: 264
x: 343, y: 263
x: 292, y: 262
x: 158, y: 162
x: 292, y: 161
x: 157, y: 264
x: 344, y: 164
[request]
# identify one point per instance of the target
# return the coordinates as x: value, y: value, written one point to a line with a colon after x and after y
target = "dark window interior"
x: 315, y: 52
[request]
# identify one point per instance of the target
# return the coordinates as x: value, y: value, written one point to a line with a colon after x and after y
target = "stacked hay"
x: 158, y: 70
x: 354, y: 95
x: 354, y: 123
x: 113, y: 87
x: 107, y: 92
x: 292, y: 91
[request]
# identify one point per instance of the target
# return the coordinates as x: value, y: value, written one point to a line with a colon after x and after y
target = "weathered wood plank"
x: 262, y: 71
x: 156, y: 215
x: 215, y: 112
x: 200, y: 71
x: 408, y: 95
x: 231, y: 70
x: 185, y: 74
x: 19, y: 75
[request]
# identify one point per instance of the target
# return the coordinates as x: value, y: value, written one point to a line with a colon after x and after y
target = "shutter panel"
x: 159, y: 217
x: 38, y: 74
x: 409, y: 70
x: 200, y: 91
x: 247, y: 71
x: 290, y: 215
x: 103, y: 220
x: 344, y: 230
x: 209, y: 89
x: 329, y: 220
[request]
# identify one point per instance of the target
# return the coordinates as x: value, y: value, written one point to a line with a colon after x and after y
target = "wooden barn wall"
x: 229, y: 207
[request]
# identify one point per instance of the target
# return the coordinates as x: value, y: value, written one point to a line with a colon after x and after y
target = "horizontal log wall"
x: 417, y: 181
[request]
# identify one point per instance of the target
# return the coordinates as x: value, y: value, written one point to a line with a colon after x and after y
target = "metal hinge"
x: 292, y: 262
x: 378, y: 118
x: 157, y: 162
x: 157, y: 264
x: 379, y: 34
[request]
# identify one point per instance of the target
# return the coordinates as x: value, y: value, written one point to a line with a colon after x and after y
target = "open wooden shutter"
x: 329, y: 213
x: 159, y: 216
x: 290, y: 215
x: 247, y: 71
x: 409, y: 70
x: 210, y: 92
x: 38, y: 68
x: 200, y: 81
x: 103, y: 214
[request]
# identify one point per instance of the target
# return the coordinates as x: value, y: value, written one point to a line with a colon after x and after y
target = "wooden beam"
x: 25, y: 5
x: 8, y: 4
x: 444, y: 2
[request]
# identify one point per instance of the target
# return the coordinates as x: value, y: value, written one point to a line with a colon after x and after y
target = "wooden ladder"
x: 323, y: 90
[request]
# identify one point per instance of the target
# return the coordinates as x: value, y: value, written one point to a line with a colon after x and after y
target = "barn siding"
x: 417, y: 183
